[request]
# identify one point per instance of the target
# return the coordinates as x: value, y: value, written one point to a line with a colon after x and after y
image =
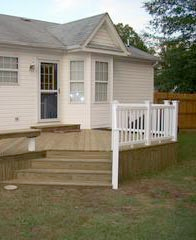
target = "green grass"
x: 159, y: 207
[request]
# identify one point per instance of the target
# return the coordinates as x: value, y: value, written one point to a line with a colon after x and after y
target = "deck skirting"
x: 9, y: 164
x: 146, y: 159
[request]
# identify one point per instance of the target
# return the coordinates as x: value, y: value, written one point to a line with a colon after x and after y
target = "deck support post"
x: 166, y: 118
x: 114, y: 119
x: 115, y: 159
x: 175, y: 121
x: 115, y: 146
x: 31, y: 144
x: 148, y: 122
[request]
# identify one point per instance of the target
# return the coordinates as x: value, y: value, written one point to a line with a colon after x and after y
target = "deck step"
x: 57, y: 183
x: 58, y: 127
x: 78, y: 154
x: 77, y: 164
x: 64, y: 175
x: 67, y: 168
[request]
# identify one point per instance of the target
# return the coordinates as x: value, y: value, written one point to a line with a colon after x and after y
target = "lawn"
x: 157, y: 207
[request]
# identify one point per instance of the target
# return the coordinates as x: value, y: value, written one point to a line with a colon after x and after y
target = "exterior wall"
x: 133, y: 81
x: 20, y: 103
x: 101, y: 112
x: 76, y: 113
x: 19, y: 108
x: 102, y: 37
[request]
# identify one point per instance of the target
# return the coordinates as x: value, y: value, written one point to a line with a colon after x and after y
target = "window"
x: 48, y: 76
x: 8, y: 70
x: 77, y: 81
x: 101, y: 81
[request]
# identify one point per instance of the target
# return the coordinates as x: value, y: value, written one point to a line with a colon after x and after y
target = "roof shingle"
x: 30, y: 32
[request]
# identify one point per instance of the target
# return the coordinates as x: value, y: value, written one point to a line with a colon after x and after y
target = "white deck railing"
x: 134, y: 124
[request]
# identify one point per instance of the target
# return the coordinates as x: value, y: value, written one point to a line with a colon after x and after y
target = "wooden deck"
x: 85, y: 140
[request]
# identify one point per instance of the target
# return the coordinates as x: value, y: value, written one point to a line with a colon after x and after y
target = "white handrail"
x: 146, y: 123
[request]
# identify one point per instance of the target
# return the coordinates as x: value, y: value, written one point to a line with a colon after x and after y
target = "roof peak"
x: 85, y: 18
x: 38, y: 20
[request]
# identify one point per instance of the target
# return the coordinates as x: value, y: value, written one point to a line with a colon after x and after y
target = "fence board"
x: 187, y: 107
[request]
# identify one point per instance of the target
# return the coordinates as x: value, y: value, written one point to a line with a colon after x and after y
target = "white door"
x: 48, y: 91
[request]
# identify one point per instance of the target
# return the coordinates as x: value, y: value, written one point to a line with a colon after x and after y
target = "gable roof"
x: 28, y: 32
x: 77, y: 32
x: 35, y: 33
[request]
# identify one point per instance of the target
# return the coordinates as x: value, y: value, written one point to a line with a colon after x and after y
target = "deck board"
x: 85, y: 140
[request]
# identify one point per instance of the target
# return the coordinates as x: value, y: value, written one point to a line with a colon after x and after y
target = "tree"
x: 127, y: 34
x: 174, y: 18
x: 174, y: 21
x: 178, y: 70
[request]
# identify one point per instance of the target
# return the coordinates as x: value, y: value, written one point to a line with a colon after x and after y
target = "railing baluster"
x: 141, y: 123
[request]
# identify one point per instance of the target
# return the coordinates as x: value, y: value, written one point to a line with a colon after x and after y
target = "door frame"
x: 39, y: 91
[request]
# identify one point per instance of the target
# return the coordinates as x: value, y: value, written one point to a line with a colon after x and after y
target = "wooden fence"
x: 187, y: 107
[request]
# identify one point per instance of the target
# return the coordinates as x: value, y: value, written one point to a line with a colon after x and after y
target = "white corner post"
x: 114, y: 118
x: 166, y: 118
x: 148, y: 122
x: 31, y: 144
x: 175, y: 121
x: 115, y: 146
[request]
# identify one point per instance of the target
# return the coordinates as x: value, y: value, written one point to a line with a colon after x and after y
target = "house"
x: 68, y: 73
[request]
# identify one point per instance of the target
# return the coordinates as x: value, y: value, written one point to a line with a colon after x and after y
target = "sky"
x: 61, y: 11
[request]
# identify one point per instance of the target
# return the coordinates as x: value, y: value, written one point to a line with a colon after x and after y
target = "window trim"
x: 105, y: 82
x: 38, y: 64
x: 6, y: 84
x: 76, y: 81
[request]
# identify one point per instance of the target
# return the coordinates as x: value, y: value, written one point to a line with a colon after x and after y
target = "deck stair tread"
x: 54, y: 125
x: 32, y: 170
x: 68, y: 169
x: 72, y: 160
x: 79, y: 155
x: 59, y: 183
x: 57, y: 127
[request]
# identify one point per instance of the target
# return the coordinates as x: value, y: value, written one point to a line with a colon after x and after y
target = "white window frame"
x: 55, y: 61
x: 76, y: 81
x: 98, y: 81
x: 10, y: 70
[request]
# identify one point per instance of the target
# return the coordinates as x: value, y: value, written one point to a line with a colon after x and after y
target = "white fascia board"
x: 109, y: 52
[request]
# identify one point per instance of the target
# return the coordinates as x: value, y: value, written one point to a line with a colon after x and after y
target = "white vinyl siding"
x: 103, y: 38
x: 133, y: 81
x: 19, y: 106
x: 101, y: 111
x: 77, y: 81
x: 8, y: 70
x: 101, y: 81
x: 75, y: 113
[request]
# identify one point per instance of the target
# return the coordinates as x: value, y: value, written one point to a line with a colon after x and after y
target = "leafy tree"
x: 176, y: 18
x: 178, y: 70
x: 174, y: 22
x: 127, y: 34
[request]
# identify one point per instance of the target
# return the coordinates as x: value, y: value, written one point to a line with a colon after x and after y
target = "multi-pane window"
x: 8, y: 70
x: 77, y: 81
x: 101, y: 81
x: 48, y: 76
